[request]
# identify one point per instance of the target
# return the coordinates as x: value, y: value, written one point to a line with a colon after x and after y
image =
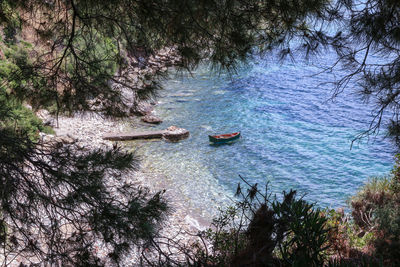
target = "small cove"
x: 293, y: 136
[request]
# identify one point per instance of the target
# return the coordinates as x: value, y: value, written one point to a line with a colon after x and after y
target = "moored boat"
x: 224, y: 138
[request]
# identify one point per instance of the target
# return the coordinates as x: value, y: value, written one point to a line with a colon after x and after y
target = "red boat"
x: 224, y: 138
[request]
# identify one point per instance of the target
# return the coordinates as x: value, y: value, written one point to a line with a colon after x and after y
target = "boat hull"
x: 222, y: 139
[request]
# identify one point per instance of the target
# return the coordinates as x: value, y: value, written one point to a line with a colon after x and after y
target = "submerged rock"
x: 175, y: 134
x: 151, y: 119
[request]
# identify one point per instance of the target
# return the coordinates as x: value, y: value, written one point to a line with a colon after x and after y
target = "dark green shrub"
x: 372, y: 196
x: 348, y: 241
x: 12, y: 25
x: 259, y: 231
x: 376, y: 208
x: 18, y: 82
x: 21, y: 119
x: 303, y: 230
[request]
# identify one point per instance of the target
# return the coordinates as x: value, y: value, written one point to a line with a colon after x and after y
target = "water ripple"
x: 293, y: 135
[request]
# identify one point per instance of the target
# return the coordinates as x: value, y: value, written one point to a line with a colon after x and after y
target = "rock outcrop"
x: 151, y: 119
x: 175, y: 134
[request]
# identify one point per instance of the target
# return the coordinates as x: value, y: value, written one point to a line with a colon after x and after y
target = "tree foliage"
x: 258, y: 231
x: 376, y: 209
x: 365, y: 37
x: 91, y: 36
x: 57, y: 202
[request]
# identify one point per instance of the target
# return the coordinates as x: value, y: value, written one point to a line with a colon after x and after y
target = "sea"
x: 295, y: 134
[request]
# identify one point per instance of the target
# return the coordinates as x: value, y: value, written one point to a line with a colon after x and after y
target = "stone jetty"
x: 172, y: 134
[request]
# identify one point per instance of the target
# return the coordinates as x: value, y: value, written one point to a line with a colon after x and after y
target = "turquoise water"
x: 293, y: 135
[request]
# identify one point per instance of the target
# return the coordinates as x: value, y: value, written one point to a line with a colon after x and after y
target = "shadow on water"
x: 229, y: 143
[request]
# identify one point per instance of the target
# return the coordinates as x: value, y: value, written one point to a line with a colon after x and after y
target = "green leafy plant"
x: 305, y: 238
x: 17, y: 81
x: 259, y: 231
x: 13, y: 23
x: 347, y: 240
x: 376, y: 209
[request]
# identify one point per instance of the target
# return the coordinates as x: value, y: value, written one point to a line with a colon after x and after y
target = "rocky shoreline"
x: 85, y: 130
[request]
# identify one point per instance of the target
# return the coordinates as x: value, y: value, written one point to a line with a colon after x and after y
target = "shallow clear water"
x: 292, y: 135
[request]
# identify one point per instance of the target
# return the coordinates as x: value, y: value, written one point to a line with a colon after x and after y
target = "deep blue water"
x: 294, y: 136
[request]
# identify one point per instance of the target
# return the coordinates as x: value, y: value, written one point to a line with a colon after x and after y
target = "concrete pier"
x: 172, y: 134
x: 133, y: 135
